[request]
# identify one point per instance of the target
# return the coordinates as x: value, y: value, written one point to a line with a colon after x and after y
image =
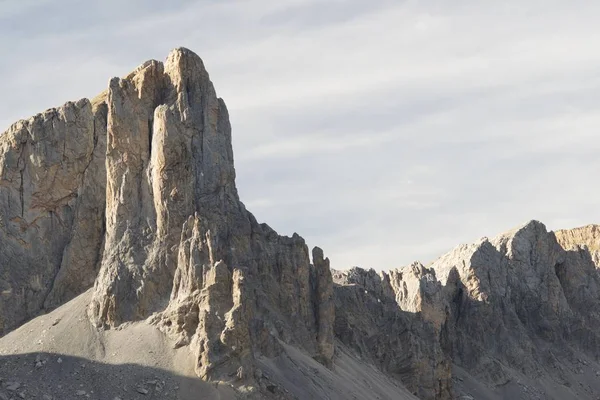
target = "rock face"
x: 498, y: 294
x: 51, y: 208
x: 371, y: 321
x: 137, y: 188
x: 512, y: 298
x: 177, y: 235
x: 522, y: 304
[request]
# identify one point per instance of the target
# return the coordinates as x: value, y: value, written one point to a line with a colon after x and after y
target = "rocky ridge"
x: 134, y: 193
x: 523, y: 304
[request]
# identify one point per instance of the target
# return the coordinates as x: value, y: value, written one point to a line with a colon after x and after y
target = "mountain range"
x: 130, y: 269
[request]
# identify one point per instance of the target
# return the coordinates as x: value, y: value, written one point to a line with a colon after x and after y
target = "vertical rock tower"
x: 179, y: 244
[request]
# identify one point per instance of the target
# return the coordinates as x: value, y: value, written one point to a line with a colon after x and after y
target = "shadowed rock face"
x: 578, y: 272
x: 522, y: 304
x: 511, y: 300
x: 370, y: 321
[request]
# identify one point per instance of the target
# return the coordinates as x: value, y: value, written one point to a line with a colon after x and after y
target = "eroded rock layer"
x: 370, y: 320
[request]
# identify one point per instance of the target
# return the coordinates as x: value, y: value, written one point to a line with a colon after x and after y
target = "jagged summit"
x: 52, y: 194
x: 492, y: 311
x: 169, y: 156
x: 138, y: 191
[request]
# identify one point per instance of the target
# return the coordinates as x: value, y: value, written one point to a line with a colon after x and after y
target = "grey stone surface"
x: 51, y: 208
x: 521, y: 305
x: 178, y: 236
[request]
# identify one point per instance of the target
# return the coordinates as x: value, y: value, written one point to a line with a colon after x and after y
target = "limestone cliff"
x: 138, y: 188
x: 370, y: 320
x: 524, y: 304
x: 51, y: 208
x: 178, y: 236
x: 511, y: 299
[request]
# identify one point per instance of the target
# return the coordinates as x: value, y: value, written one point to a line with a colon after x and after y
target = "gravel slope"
x: 62, y: 356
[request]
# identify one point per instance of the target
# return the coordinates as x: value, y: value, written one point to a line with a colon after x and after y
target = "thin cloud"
x: 382, y: 131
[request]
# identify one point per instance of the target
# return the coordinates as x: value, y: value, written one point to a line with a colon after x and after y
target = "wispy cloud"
x: 383, y: 131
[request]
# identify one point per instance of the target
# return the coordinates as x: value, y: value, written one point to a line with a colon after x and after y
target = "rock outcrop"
x: 510, y: 300
x: 522, y: 304
x: 370, y: 320
x: 178, y: 237
x: 51, y: 208
x: 137, y: 188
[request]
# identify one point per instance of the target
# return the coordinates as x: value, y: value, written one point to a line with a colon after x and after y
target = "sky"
x: 382, y: 131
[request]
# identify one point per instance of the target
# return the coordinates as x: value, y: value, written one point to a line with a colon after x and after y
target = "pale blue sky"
x: 382, y: 131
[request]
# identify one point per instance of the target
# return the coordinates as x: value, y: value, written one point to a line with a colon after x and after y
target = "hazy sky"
x: 382, y: 131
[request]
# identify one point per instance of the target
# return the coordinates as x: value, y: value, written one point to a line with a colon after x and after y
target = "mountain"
x: 515, y: 316
x: 131, y: 269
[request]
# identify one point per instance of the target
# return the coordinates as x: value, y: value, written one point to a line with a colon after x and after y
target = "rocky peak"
x: 137, y: 190
x: 169, y: 156
x: 490, y: 310
x: 507, y: 300
x: 585, y: 239
x: 380, y: 317
x: 182, y: 248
